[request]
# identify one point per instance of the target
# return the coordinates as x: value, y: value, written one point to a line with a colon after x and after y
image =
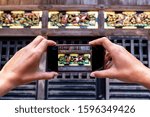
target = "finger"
x: 36, y: 41
x: 102, y: 74
x: 105, y: 42
x: 44, y: 44
x: 45, y: 75
x: 51, y: 43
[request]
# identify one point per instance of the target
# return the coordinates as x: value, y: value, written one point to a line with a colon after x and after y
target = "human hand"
x: 23, y: 67
x: 120, y: 64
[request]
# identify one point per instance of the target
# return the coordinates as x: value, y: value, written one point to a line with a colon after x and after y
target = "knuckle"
x: 40, y: 37
x: 104, y: 39
x: 35, y: 53
x: 113, y: 48
x: 121, y: 48
x: 45, y: 41
x: 118, y: 49
x: 25, y: 49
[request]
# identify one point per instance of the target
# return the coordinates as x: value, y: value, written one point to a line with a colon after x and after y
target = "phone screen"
x: 75, y: 58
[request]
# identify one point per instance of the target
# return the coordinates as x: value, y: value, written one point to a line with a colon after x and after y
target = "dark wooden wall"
x: 74, y: 2
x: 126, y: 2
x: 21, y: 2
x: 38, y: 2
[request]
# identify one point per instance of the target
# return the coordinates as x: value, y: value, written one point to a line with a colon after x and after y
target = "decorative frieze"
x: 73, y: 19
x: 20, y: 19
x: 127, y: 20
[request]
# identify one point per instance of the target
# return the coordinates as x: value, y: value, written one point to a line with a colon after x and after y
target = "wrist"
x: 143, y: 77
x: 5, y: 83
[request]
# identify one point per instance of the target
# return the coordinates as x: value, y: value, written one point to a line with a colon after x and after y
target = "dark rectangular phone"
x: 75, y: 58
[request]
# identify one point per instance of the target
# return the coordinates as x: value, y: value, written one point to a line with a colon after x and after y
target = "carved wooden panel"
x: 20, y: 19
x: 73, y: 19
x: 127, y: 20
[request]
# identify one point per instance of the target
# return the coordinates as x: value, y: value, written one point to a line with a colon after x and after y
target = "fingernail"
x: 55, y: 43
x: 56, y: 74
x: 92, y: 75
x: 90, y: 42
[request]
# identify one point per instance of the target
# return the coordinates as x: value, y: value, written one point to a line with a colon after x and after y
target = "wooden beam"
x: 83, y: 32
x: 20, y: 32
x: 75, y: 7
x: 38, y: 2
x: 96, y: 7
x: 14, y: 2
x: 72, y: 7
x: 49, y: 7
x: 71, y: 32
x: 26, y: 2
x: 127, y: 32
x: 127, y: 8
x: 20, y: 7
x: 75, y: 32
x: 3, y: 2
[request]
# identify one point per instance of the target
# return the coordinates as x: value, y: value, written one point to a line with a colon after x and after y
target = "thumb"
x: 46, y: 75
x: 101, y: 74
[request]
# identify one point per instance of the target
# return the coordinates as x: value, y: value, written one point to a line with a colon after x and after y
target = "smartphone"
x: 75, y: 58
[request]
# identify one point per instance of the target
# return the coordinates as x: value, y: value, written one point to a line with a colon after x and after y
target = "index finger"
x: 105, y: 42
x: 44, y: 44
x: 36, y: 41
